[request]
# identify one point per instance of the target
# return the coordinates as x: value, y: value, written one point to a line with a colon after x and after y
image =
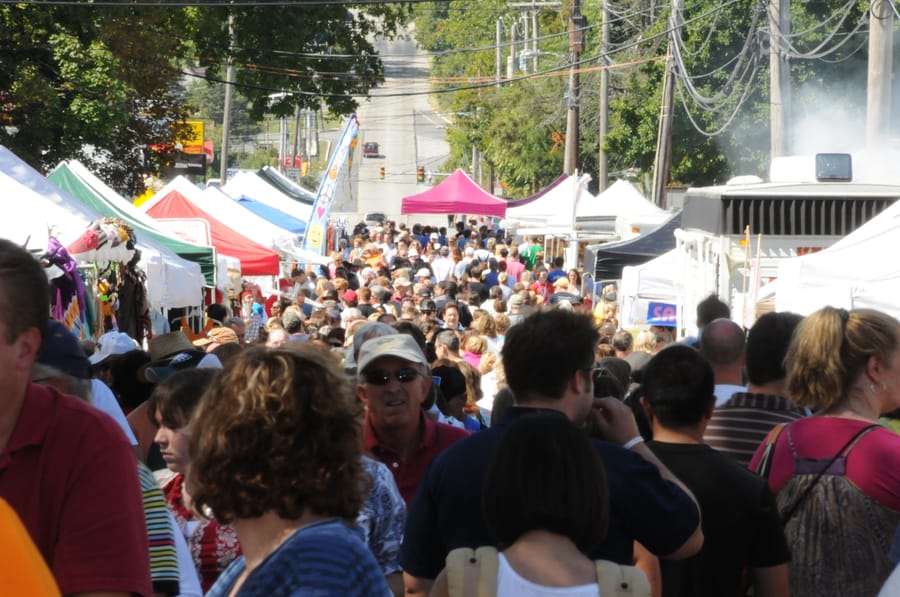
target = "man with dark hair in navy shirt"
x: 549, y: 361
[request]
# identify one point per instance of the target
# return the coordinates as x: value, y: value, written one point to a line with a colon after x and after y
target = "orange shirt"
x: 22, y: 569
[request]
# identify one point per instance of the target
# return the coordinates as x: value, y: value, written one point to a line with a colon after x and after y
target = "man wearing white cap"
x: 393, y: 381
x: 110, y: 346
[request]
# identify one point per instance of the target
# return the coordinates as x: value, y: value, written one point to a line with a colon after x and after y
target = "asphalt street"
x: 409, y: 133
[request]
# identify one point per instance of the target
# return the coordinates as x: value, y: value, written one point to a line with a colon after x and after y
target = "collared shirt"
x: 740, y: 425
x: 71, y: 476
x: 408, y: 471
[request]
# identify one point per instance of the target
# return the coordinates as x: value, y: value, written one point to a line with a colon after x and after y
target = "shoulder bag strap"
x: 789, y: 513
x: 764, y: 466
x: 615, y: 580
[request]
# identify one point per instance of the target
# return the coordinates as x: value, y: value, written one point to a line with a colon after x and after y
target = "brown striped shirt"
x: 739, y: 425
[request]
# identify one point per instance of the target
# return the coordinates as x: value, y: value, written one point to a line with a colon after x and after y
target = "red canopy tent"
x: 456, y: 194
x: 256, y: 260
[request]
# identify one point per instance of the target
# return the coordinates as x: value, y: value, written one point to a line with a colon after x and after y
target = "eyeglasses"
x: 380, y: 377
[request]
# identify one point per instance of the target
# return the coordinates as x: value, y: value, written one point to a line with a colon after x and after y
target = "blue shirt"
x: 322, y: 559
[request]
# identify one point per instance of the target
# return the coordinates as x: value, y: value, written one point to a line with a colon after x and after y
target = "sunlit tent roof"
x: 456, y: 194
x: 286, y: 185
x: 171, y: 205
x: 249, y: 184
x: 81, y: 183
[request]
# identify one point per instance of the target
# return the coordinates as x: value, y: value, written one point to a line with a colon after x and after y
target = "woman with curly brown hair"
x: 276, y: 445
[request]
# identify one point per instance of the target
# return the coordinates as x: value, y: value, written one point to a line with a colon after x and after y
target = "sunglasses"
x: 380, y: 377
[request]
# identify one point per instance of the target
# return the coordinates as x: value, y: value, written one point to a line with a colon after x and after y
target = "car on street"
x: 370, y: 149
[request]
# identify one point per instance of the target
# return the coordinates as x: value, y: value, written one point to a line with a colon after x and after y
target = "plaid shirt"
x: 251, y: 328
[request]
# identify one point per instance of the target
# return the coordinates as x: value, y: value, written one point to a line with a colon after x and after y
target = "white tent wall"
x: 177, y: 285
x: 854, y: 272
x: 658, y: 280
x: 250, y: 185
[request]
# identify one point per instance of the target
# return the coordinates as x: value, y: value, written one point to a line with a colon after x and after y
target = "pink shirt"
x: 873, y: 464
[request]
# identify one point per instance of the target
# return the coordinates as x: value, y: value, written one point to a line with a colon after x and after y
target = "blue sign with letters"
x: 662, y: 314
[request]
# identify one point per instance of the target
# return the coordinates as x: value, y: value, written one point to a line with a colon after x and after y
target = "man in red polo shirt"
x: 393, y: 381
x: 65, y: 467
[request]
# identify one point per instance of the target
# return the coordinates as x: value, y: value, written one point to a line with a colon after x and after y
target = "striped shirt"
x: 738, y: 426
x: 324, y: 559
x: 161, y: 534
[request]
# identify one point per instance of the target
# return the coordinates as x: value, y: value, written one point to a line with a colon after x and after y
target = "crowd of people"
x: 441, y: 413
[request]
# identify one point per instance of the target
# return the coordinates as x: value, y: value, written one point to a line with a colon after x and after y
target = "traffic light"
x: 381, y: 172
x: 420, y: 174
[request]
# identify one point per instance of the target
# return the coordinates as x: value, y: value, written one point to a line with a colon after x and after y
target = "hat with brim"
x: 191, y: 359
x: 163, y: 348
x: 400, y: 346
x: 112, y: 344
x: 220, y: 335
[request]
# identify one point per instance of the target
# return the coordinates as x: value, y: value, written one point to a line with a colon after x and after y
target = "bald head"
x: 722, y: 342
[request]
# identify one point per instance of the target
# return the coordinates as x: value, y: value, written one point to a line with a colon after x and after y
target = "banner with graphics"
x: 341, y: 161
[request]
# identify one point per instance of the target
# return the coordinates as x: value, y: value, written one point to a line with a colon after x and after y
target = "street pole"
x: 779, y: 76
x: 878, y: 104
x: 229, y: 92
x: 602, y: 162
x: 534, y: 40
x: 576, y: 45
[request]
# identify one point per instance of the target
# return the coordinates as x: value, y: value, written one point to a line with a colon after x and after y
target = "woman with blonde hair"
x: 277, y: 454
x: 836, y: 475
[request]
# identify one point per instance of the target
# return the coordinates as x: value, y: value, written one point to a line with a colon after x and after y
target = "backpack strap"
x: 472, y: 573
x: 616, y: 580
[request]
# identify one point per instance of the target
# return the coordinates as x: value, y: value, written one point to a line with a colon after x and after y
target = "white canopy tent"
x: 248, y: 184
x: 556, y: 205
x: 41, y: 209
x: 855, y: 272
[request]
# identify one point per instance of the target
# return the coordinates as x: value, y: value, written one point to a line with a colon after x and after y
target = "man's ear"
x: 648, y: 410
x: 362, y: 393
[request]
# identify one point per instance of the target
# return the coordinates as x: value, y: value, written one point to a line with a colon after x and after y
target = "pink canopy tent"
x: 457, y: 194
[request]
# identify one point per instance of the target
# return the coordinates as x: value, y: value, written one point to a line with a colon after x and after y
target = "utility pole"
x: 878, y: 104
x: 499, y: 56
x: 577, y: 23
x: 779, y: 76
x: 229, y: 92
x: 602, y: 163
x: 664, y: 133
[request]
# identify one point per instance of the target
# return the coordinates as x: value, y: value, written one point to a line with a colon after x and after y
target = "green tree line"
x: 721, y: 116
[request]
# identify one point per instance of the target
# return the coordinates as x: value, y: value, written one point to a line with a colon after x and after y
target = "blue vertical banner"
x: 341, y: 161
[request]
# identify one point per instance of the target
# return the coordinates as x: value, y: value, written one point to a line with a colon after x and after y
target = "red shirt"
x: 71, y: 476
x: 213, y: 546
x: 410, y: 470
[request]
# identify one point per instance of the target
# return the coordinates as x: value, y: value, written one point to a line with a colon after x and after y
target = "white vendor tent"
x: 39, y: 208
x: 657, y: 280
x: 621, y: 199
x: 555, y: 204
x: 249, y: 184
x: 857, y: 271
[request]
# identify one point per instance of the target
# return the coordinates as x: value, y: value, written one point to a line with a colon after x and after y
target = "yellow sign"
x: 192, y: 139
x: 316, y: 235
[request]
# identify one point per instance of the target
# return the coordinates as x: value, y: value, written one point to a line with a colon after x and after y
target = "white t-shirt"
x: 104, y: 399
x: 510, y: 584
